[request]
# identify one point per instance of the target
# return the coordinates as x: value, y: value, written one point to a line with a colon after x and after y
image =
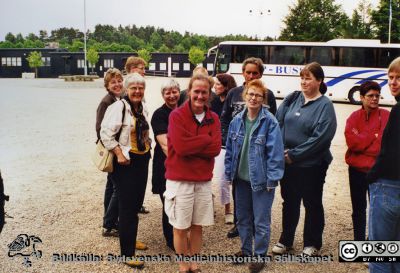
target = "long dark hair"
x: 317, y: 71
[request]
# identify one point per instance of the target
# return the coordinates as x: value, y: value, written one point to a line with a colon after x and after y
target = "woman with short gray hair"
x: 125, y: 132
x: 159, y: 122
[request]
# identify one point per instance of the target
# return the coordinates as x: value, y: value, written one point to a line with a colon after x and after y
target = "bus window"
x: 241, y: 53
x: 294, y: 55
x: 223, y: 59
x: 322, y: 55
x: 356, y: 57
x: 386, y: 56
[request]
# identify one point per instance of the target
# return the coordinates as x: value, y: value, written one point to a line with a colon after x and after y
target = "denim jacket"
x: 266, y: 154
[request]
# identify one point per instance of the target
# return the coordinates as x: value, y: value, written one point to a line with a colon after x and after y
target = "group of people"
x: 238, y: 135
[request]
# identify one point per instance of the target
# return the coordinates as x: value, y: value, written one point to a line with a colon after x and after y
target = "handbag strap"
x: 123, y: 117
x: 120, y: 129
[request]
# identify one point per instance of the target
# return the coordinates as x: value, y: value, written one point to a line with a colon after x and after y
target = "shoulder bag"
x: 103, y: 158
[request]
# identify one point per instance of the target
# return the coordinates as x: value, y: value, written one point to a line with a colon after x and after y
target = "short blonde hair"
x: 133, y: 61
x: 199, y: 70
x: 394, y: 65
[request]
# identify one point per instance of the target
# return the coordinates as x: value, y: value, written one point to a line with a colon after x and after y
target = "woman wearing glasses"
x: 254, y: 161
x: 125, y: 132
x: 364, y: 129
x: 308, y: 123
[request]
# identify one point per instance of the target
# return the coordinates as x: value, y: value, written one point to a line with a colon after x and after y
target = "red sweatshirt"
x: 192, y: 145
x: 363, y: 144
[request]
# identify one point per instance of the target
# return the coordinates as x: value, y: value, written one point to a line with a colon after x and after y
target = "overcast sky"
x: 209, y: 17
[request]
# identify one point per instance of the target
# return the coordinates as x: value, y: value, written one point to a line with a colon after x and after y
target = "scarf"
x: 141, y: 125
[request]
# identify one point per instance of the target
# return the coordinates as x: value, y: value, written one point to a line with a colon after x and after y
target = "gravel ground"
x: 47, y: 136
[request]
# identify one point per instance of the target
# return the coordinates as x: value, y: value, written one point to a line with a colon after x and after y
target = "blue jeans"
x: 384, y: 218
x: 253, y: 209
x: 110, y: 219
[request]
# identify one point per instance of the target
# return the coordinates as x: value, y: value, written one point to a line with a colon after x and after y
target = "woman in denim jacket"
x: 254, y: 161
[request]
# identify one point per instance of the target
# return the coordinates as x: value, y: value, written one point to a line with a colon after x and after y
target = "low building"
x: 59, y: 62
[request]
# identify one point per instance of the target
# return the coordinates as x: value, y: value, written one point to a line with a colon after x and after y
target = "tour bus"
x: 347, y: 63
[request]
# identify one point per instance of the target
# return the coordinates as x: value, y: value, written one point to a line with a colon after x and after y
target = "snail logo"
x: 25, y: 246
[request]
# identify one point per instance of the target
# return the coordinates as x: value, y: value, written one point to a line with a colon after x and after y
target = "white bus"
x: 347, y: 63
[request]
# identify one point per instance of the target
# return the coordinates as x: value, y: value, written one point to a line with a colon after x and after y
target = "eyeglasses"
x: 370, y: 96
x: 257, y: 96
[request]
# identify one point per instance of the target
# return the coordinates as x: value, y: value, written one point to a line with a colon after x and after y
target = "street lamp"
x: 390, y: 20
x: 260, y: 13
x: 84, y: 35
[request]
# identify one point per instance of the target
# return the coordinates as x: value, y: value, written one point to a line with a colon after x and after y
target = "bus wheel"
x: 354, y: 95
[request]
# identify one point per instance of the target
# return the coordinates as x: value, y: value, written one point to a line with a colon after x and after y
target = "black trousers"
x: 168, y: 229
x: 110, y: 219
x: 130, y: 182
x: 358, y: 193
x: 303, y: 183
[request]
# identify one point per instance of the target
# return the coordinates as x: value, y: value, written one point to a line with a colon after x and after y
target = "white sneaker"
x: 281, y: 249
x: 310, y: 251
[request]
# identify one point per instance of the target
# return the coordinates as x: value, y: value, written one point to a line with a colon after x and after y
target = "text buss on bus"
x: 347, y: 63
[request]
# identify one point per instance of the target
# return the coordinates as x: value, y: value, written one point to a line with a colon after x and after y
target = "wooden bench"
x: 81, y: 78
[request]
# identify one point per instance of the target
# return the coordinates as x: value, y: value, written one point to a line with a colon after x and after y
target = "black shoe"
x: 256, y: 267
x: 143, y: 210
x: 239, y: 255
x: 233, y: 232
x: 171, y: 246
x: 110, y: 232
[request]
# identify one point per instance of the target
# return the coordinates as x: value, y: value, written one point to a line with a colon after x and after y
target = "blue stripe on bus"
x: 348, y: 75
x: 374, y: 77
x: 383, y: 83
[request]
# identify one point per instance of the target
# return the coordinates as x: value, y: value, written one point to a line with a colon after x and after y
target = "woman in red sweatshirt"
x: 194, y: 139
x: 363, y: 134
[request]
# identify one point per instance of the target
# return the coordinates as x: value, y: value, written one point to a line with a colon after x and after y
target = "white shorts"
x: 219, y: 176
x: 189, y: 203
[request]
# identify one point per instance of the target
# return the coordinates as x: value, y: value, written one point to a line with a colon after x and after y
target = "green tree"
x: 6, y: 44
x: 103, y: 33
x: 135, y: 42
x: 35, y: 60
x: 313, y: 20
x: 359, y: 26
x: 19, y: 38
x: 93, y: 57
x: 32, y: 36
x: 145, y: 55
x: 43, y: 35
x: 10, y: 37
x: 156, y: 40
x: 196, y: 55
x: 39, y: 44
x: 29, y: 43
x: 76, y: 46
x: 380, y: 21
x: 68, y: 33
x: 179, y: 49
x: 164, y: 49
x: 19, y: 45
